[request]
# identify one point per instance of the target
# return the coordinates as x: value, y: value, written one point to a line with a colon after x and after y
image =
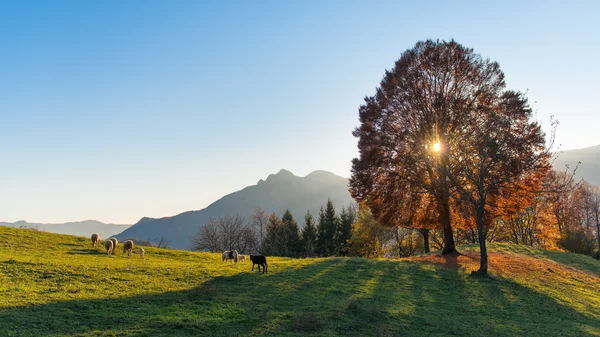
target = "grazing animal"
x: 95, y: 238
x: 141, y: 253
x: 128, y: 247
x: 109, y: 246
x: 230, y: 255
x: 242, y: 258
x: 115, y: 242
x: 260, y: 260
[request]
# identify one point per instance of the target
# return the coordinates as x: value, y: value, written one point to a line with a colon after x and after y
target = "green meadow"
x: 58, y: 285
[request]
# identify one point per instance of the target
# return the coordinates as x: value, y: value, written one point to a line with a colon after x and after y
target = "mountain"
x: 277, y: 193
x: 79, y: 228
x: 589, y: 169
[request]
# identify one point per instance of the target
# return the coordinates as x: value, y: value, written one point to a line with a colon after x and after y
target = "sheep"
x: 95, y: 238
x: 115, y: 242
x: 230, y: 255
x: 260, y: 261
x: 109, y: 246
x: 128, y: 247
x: 242, y: 258
x: 142, y: 253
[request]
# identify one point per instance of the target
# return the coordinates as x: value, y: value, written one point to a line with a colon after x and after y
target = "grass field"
x: 57, y: 285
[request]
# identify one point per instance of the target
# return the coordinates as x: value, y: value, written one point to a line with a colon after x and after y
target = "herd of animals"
x: 111, y: 244
x: 234, y: 256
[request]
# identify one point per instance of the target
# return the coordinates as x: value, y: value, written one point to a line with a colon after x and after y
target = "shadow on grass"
x: 90, y: 251
x: 341, y: 296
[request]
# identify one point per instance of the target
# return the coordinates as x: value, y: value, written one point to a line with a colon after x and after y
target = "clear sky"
x: 114, y: 110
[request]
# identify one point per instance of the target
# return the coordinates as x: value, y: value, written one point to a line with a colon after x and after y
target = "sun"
x: 437, y: 146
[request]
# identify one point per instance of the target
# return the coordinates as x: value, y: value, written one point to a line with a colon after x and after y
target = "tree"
x: 328, y: 224
x: 593, y: 205
x: 344, y: 230
x: 368, y: 237
x: 248, y: 242
x: 208, y: 237
x: 501, y: 149
x: 259, y: 220
x: 531, y: 223
x: 409, y: 131
x: 224, y: 233
x: 404, y: 242
x: 282, y: 236
x: 272, y: 243
x: 404, y: 211
x: 558, y: 188
x: 309, y: 235
x: 580, y: 233
x: 422, y: 216
x: 163, y: 242
x: 321, y: 242
x: 291, y: 234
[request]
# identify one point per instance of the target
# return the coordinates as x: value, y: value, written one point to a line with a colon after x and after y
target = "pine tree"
x: 309, y: 236
x: 291, y: 235
x: 328, y: 224
x: 344, y: 230
x: 321, y: 234
x: 282, y: 237
x: 273, y: 236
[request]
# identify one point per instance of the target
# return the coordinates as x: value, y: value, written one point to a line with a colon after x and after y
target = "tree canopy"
x: 442, y: 125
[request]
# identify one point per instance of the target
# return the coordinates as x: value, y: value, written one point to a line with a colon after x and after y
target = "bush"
x: 577, y: 241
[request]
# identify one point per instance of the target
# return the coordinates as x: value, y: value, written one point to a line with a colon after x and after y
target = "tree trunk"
x: 483, y: 260
x: 425, y: 233
x: 444, y: 209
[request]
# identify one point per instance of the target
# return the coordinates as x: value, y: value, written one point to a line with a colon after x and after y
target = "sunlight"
x: 437, y: 146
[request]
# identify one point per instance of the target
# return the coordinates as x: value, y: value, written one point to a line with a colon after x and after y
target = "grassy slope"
x: 56, y: 285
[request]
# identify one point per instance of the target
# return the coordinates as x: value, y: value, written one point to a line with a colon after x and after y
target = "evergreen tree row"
x: 329, y: 236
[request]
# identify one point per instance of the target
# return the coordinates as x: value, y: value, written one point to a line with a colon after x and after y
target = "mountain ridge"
x: 587, y: 161
x: 276, y: 193
x: 79, y: 228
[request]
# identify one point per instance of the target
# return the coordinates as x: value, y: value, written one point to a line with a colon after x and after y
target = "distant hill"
x: 277, y: 193
x: 79, y: 228
x: 589, y: 169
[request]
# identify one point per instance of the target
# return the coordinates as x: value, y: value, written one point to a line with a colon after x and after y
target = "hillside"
x: 79, y: 228
x: 277, y: 193
x: 589, y: 169
x: 57, y: 285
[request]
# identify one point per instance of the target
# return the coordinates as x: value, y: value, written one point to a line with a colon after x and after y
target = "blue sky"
x: 114, y: 110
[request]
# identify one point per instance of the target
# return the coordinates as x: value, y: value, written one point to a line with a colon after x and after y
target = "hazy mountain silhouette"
x: 79, y: 228
x: 277, y: 193
x: 589, y: 169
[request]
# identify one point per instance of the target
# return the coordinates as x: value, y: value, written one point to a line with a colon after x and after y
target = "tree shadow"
x: 340, y: 296
x: 429, y: 301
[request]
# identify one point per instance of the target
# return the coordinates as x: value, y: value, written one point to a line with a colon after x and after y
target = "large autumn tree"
x: 409, y: 133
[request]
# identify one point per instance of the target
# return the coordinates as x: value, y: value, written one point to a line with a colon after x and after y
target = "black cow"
x: 260, y: 260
